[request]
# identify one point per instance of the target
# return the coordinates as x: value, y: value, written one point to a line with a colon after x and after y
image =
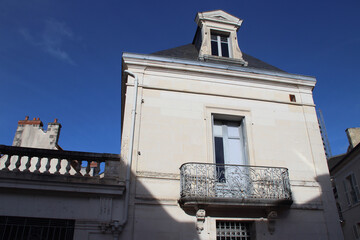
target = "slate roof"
x: 190, y: 52
x: 333, y: 161
x: 336, y: 161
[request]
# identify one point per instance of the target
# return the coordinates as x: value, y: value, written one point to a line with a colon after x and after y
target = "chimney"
x: 35, y: 121
x: 353, y: 135
x: 30, y: 133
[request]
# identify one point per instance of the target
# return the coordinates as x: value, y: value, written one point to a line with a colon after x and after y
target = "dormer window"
x: 216, y: 38
x: 220, y: 44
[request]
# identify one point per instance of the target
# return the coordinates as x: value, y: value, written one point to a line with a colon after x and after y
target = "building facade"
x: 345, y: 174
x: 49, y: 193
x: 216, y: 144
x: 222, y: 144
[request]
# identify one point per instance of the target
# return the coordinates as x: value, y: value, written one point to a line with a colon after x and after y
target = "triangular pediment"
x: 221, y: 16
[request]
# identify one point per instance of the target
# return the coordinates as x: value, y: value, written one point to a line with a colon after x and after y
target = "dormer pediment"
x: 218, y: 16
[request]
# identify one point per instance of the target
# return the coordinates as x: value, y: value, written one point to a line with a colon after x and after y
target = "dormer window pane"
x: 225, y: 49
x: 220, y: 45
x: 214, y: 47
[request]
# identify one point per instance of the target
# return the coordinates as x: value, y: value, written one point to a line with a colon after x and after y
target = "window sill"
x: 217, y: 59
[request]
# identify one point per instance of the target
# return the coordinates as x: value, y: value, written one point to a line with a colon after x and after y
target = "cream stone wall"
x: 173, y: 126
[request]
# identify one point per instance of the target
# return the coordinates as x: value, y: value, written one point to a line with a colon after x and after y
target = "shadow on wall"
x: 157, y: 217
x: 154, y: 217
x: 154, y: 212
x: 318, y: 215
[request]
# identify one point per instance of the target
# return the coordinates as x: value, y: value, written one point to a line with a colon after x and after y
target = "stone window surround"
x: 234, y: 114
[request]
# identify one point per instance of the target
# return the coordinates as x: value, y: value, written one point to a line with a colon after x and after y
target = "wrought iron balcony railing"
x: 202, y: 182
x: 54, y: 162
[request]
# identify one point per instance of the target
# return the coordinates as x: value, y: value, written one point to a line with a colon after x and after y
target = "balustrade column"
x: 28, y: 164
x: 47, y: 167
x: 78, y: 168
x: 17, y: 164
x: 38, y: 165
x: 97, y: 168
x: 7, y: 163
x: 87, y: 169
x: 58, y: 167
x: 68, y: 167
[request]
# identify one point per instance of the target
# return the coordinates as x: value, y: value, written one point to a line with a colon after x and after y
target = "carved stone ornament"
x: 113, y: 226
x: 200, y: 219
x: 271, y: 221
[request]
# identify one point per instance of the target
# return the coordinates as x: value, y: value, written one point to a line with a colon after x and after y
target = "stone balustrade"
x: 56, y: 162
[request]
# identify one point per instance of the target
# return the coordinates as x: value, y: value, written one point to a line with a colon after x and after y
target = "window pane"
x: 233, y: 143
x: 235, y: 152
x: 213, y: 37
x: 214, y: 48
x: 219, y: 158
x: 219, y: 150
x: 225, y: 49
x: 224, y: 39
x: 217, y: 129
x: 356, y: 188
x: 346, y: 192
x: 233, y: 131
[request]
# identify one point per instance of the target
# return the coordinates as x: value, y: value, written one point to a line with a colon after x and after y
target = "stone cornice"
x: 217, y: 69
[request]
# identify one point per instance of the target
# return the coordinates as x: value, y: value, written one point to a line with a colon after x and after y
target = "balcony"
x: 219, y: 185
x: 58, y: 170
x: 42, y: 184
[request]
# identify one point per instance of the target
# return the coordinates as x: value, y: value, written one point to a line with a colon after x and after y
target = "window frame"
x: 351, y: 189
x: 219, y: 42
x: 225, y: 138
x: 230, y: 114
x: 356, y: 232
x: 236, y: 233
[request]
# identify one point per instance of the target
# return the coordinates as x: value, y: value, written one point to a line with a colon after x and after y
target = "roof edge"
x: 219, y: 66
x: 347, y: 156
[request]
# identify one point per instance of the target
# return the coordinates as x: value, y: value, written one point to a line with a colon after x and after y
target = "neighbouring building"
x: 216, y: 144
x: 30, y: 133
x: 49, y: 193
x: 224, y: 146
x: 345, y: 174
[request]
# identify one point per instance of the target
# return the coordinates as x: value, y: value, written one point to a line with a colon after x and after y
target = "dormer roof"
x: 216, y: 29
x: 189, y: 52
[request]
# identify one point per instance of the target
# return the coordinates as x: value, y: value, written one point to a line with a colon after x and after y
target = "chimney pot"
x: 34, y: 119
x: 56, y: 120
x: 27, y: 118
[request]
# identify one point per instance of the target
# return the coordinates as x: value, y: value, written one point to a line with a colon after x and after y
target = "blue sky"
x: 62, y: 59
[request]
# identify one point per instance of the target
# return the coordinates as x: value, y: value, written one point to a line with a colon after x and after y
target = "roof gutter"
x: 218, y: 66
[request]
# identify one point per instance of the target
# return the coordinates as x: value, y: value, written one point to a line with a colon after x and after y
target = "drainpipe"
x: 130, y: 154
